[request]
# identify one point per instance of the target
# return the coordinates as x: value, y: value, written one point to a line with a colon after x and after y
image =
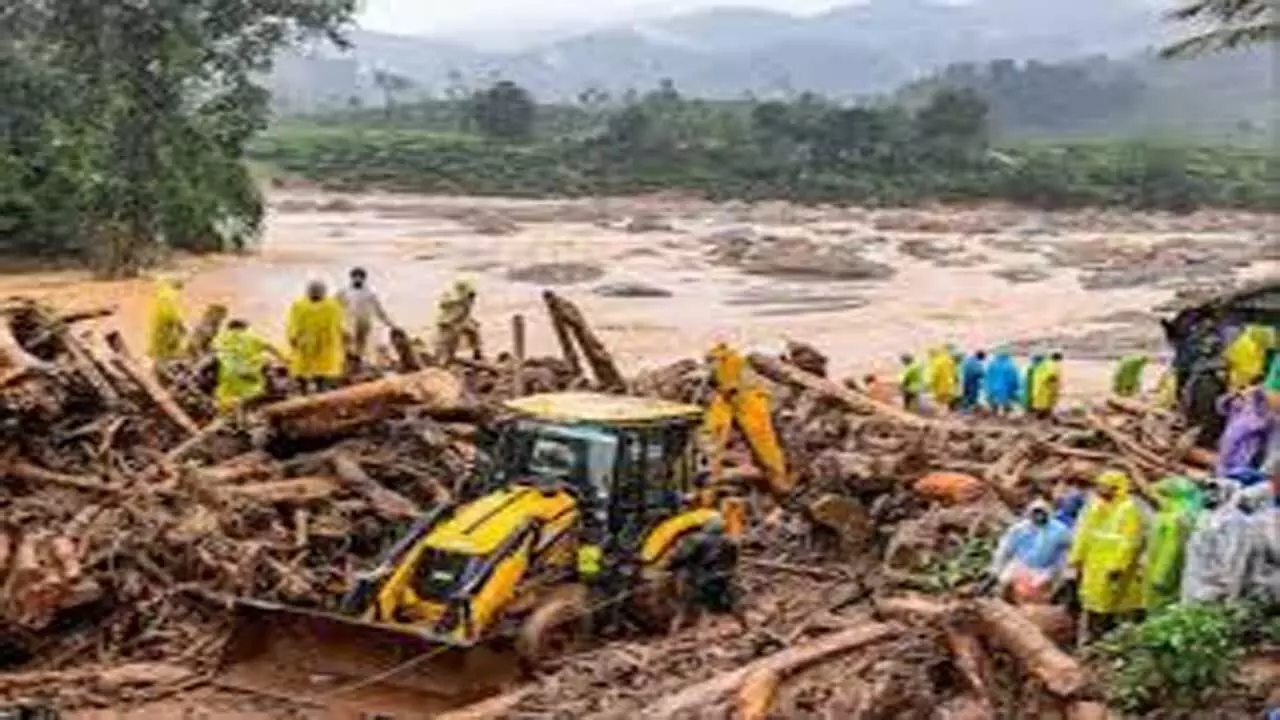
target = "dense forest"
x: 938, y: 143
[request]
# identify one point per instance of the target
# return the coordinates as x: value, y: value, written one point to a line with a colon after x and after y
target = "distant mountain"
x: 848, y: 52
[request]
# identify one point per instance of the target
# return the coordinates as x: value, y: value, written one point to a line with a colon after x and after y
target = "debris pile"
x: 129, y: 518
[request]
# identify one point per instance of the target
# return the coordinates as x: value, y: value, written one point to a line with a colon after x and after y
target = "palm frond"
x: 1229, y: 37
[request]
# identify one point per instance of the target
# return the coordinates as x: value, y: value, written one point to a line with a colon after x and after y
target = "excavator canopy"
x: 601, y: 409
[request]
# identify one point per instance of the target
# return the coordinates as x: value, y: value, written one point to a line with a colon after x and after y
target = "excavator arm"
x: 741, y: 401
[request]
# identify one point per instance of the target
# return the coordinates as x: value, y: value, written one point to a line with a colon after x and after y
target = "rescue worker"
x: 1069, y: 507
x: 1262, y: 504
x: 1219, y: 547
x: 944, y: 378
x: 1028, y: 378
x: 1127, y: 379
x: 1001, y: 383
x: 1167, y: 542
x: 1244, y: 359
x: 1167, y: 391
x: 1031, y: 555
x: 972, y: 372
x: 706, y: 568
x: 911, y: 382
x: 360, y: 307
x: 317, y: 356
x: 1046, y: 386
x: 165, y: 329
x: 242, y: 360
x: 1106, y: 554
x: 741, y: 400
x: 454, y: 324
x: 1244, y: 439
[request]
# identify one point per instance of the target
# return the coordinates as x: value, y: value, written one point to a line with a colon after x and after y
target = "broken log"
x: 788, y: 374
x: 156, y: 392
x: 388, y: 503
x: 30, y: 472
x: 200, y: 340
x: 293, y: 490
x: 707, y: 693
x: 518, y: 353
x: 1014, y: 632
x: 30, y: 385
x: 341, y: 411
x: 567, y: 314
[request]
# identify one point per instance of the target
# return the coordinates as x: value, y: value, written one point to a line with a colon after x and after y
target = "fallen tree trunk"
x: 602, y: 365
x: 1013, y: 631
x: 788, y: 374
x: 784, y: 663
x: 156, y: 392
x: 28, y: 385
x: 293, y: 490
x: 341, y: 411
x: 388, y: 503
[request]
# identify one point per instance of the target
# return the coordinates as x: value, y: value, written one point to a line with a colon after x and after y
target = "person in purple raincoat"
x: 1244, y: 440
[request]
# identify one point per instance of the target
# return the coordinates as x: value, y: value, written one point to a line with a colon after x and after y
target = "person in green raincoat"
x: 165, y: 329
x: 1178, y: 499
x: 242, y: 361
x: 1106, y: 552
x: 1127, y: 380
x: 911, y: 382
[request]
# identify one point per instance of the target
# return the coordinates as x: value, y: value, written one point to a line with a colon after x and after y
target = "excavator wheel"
x: 558, y: 626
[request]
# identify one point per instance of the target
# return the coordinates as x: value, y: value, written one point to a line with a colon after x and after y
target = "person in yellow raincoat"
x: 1107, y: 552
x: 1245, y: 358
x: 1046, y: 386
x: 454, y: 324
x: 742, y: 401
x: 944, y: 377
x: 242, y: 361
x: 165, y: 329
x: 316, y: 342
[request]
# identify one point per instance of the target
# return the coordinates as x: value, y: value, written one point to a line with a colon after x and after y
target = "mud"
x: 817, y: 289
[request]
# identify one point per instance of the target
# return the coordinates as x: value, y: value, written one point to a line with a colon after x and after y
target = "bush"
x: 1177, y: 657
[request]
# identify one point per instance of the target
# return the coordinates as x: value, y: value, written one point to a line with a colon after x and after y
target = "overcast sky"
x: 448, y: 17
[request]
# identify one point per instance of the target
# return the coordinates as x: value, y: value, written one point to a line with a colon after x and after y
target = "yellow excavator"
x: 587, y: 499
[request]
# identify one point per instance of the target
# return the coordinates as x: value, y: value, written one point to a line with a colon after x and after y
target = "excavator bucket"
x: 340, y: 662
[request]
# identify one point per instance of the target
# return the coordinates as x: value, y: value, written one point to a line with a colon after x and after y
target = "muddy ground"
x: 661, y: 277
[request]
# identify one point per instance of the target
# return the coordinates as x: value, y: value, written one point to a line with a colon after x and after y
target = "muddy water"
x: 415, y: 246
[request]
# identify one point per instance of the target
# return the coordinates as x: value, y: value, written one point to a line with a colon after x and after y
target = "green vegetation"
x: 808, y: 150
x: 1181, y: 655
x: 124, y: 122
x: 1235, y: 24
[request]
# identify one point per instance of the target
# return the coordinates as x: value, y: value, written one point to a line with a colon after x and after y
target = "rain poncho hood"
x: 1171, y: 527
x: 1217, y: 553
x: 1248, y: 425
x: 1106, y: 549
x: 1038, y: 547
x: 315, y: 338
x: 972, y: 371
x: 943, y: 376
x: 164, y: 324
x: 1127, y: 380
x: 1001, y: 382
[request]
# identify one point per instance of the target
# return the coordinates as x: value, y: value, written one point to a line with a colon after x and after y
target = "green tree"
x: 505, y: 111
x: 391, y: 84
x: 153, y: 104
x: 1233, y: 24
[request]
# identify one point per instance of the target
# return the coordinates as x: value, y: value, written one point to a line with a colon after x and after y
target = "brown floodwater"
x: 414, y: 247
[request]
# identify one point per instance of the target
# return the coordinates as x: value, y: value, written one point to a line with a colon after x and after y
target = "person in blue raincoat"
x: 1069, y: 507
x: 1028, y: 379
x: 1001, y: 383
x: 1031, y: 555
x: 972, y: 371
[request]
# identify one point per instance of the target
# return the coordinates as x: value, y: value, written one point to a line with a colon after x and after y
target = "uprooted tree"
x: 125, y: 121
